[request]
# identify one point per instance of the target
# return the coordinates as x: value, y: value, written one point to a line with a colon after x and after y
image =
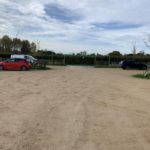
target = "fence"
x: 85, y: 60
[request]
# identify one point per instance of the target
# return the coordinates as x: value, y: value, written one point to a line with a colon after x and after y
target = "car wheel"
x: 124, y: 67
x: 1, y: 67
x: 23, y: 68
x: 144, y: 68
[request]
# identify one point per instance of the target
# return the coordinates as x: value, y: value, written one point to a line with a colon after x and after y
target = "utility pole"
x: 64, y: 60
x: 109, y: 60
x: 95, y: 59
x: 52, y: 58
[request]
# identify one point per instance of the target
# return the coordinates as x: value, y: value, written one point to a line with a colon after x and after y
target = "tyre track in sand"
x: 74, y: 108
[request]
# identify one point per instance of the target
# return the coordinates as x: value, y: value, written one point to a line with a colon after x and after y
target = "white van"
x: 29, y: 58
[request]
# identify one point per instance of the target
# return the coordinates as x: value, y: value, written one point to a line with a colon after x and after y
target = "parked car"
x: 132, y: 65
x: 29, y: 58
x: 15, y: 64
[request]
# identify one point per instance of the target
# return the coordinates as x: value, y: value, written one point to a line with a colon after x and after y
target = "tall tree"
x: 17, y: 44
x: 33, y: 47
x: 26, y: 48
x: 115, y: 53
x: 140, y: 53
x: 147, y: 42
x: 134, y: 48
x: 6, y: 43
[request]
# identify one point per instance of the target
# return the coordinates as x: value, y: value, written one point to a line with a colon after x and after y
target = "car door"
x: 132, y: 64
x: 8, y: 64
x: 17, y: 64
x: 11, y: 65
x: 138, y: 65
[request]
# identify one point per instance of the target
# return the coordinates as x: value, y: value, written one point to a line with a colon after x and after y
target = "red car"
x: 15, y: 64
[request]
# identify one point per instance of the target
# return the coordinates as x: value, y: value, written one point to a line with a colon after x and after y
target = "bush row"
x: 84, y: 60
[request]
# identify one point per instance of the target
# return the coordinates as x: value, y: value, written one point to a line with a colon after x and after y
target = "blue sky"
x: 97, y: 26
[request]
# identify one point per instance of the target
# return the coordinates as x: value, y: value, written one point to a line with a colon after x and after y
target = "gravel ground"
x: 74, y: 108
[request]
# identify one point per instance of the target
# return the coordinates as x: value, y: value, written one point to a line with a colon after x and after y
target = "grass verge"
x: 142, y: 76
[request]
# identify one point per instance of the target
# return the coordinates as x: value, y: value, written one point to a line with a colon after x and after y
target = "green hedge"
x: 5, y: 55
x: 84, y: 60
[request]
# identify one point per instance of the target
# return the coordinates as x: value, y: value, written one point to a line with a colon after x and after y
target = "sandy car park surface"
x: 74, y: 108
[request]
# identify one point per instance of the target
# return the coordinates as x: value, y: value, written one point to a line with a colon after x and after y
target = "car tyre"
x: 124, y: 68
x: 144, y: 68
x: 23, y: 68
x: 1, y: 67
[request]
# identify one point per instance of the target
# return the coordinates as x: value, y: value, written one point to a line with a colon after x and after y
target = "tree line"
x: 9, y: 46
x: 16, y: 45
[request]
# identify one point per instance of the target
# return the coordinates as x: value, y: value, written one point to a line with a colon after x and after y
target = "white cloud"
x: 30, y: 20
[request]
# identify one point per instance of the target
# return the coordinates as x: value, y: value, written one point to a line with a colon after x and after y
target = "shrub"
x: 41, y: 65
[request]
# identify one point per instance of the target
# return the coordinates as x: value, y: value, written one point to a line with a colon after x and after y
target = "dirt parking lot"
x: 74, y: 108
